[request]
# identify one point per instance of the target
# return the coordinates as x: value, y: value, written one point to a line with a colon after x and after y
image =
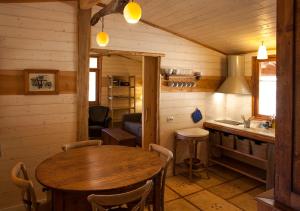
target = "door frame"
x: 151, y: 94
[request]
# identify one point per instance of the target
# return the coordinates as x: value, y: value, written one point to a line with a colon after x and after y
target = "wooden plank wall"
x: 121, y: 66
x: 32, y: 128
x: 180, y: 53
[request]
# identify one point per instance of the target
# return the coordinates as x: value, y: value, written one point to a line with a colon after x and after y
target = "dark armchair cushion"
x: 98, y: 114
x: 98, y: 120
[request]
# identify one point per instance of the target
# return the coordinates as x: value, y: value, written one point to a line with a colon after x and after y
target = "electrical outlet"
x: 170, y: 118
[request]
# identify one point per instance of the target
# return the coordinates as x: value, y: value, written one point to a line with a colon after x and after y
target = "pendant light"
x: 262, y: 52
x: 102, y: 38
x: 132, y: 12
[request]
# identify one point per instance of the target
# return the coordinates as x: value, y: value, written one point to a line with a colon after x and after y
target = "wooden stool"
x: 192, y: 136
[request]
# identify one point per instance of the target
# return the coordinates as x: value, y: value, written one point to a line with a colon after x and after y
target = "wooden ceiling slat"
x: 225, y: 25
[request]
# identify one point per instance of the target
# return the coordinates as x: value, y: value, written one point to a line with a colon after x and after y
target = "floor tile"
x: 213, y: 180
x: 207, y: 201
x: 247, y: 200
x: 235, y: 187
x: 170, y: 195
x: 182, y: 185
x: 179, y: 205
x: 224, y: 172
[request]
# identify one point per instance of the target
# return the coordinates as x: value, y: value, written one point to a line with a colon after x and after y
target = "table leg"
x: 57, y: 201
x: 196, y: 150
x: 157, y: 192
x: 174, y: 160
x: 192, y: 150
x: 207, y: 157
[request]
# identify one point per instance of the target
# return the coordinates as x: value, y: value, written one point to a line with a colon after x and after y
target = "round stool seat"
x: 193, y: 132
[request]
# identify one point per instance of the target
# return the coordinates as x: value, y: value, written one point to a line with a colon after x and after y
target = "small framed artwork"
x: 41, y: 82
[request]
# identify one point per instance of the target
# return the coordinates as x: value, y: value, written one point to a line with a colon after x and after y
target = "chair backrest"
x: 168, y: 157
x: 19, y: 177
x: 98, y: 114
x: 80, y: 144
x: 139, y: 195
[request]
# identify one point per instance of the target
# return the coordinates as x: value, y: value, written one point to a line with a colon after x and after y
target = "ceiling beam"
x: 107, y: 52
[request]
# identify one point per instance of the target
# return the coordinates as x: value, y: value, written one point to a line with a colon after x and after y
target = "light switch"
x: 170, y: 118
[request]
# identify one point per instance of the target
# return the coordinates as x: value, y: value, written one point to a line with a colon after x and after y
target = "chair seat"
x: 193, y: 132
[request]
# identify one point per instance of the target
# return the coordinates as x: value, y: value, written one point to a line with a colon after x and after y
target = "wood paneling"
x: 32, y: 128
x: 84, y: 33
x: 229, y: 26
x: 12, y: 82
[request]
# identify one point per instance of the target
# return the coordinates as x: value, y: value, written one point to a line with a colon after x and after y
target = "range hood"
x: 235, y: 82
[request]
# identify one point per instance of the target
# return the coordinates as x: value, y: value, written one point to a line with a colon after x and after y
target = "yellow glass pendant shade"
x: 102, y: 39
x: 132, y: 12
x: 262, y: 52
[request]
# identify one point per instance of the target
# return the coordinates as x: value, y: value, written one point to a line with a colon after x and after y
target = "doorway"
x: 128, y: 83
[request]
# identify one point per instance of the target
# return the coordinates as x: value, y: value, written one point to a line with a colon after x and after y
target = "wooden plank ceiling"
x: 230, y: 26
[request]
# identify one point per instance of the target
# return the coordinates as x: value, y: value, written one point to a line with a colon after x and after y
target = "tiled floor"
x: 225, y: 190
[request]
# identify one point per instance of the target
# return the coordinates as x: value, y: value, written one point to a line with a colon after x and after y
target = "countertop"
x: 261, y: 134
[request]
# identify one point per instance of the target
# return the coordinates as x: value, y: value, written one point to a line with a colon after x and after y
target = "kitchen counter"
x: 243, y: 162
x: 260, y: 134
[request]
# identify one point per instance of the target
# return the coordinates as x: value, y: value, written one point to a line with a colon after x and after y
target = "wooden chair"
x: 79, y: 144
x: 168, y: 157
x: 19, y: 177
x: 106, y: 202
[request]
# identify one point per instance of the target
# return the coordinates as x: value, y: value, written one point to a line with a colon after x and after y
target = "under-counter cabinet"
x: 246, y: 151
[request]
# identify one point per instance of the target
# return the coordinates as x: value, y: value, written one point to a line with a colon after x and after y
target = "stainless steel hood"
x: 235, y: 82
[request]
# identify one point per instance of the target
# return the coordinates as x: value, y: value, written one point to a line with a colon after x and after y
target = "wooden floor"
x: 224, y: 191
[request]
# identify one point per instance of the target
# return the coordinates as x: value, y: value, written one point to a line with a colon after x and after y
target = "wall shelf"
x: 117, y: 97
x: 241, y: 153
x: 241, y: 167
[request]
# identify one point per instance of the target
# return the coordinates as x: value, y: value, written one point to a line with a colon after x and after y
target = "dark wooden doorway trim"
x: 151, y: 90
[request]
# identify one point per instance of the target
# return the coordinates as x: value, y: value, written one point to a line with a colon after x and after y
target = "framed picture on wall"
x: 41, y: 82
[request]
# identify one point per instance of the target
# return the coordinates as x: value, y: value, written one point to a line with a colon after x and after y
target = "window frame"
x: 255, y: 86
x: 98, y: 72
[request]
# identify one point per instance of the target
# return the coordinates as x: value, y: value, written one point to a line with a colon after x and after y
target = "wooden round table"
x: 73, y: 175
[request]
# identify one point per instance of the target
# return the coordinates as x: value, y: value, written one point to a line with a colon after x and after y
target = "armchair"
x: 98, y: 120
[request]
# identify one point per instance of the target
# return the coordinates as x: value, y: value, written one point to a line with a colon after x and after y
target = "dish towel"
x: 197, y: 115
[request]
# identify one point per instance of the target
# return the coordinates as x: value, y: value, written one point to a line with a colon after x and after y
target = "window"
x: 94, y: 80
x: 264, y: 87
x: 92, y: 86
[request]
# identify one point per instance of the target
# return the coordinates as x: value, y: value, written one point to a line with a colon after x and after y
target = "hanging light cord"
x: 102, y: 21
